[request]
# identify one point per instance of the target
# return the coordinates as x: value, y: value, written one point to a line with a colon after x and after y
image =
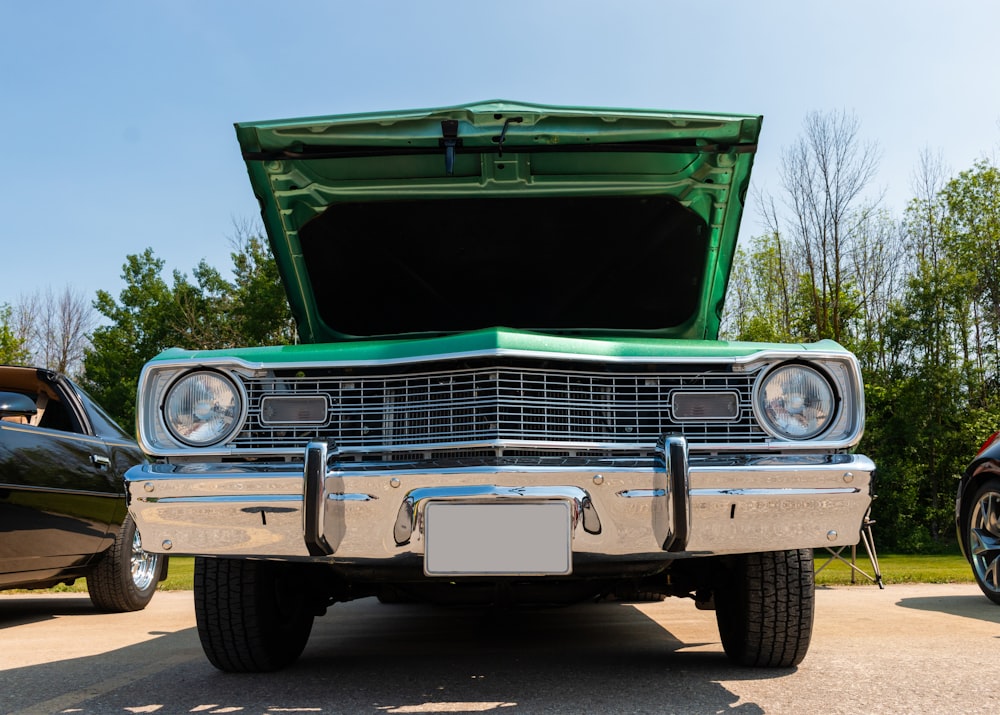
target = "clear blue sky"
x: 116, y: 117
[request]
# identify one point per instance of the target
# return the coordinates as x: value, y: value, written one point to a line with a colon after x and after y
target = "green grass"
x: 180, y: 577
x: 896, y: 568
x: 180, y: 574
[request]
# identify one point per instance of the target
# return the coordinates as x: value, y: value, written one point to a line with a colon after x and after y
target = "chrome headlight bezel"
x: 231, y: 413
x: 818, y: 402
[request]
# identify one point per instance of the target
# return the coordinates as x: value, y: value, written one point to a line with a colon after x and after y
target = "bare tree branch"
x: 824, y: 176
x: 55, y: 327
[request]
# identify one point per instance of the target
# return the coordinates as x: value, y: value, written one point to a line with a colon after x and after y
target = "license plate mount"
x: 497, y: 539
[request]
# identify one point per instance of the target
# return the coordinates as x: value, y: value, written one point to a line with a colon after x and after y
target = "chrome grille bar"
x: 489, y: 405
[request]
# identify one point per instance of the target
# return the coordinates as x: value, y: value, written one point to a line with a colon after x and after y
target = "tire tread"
x: 766, y: 608
x: 239, y: 623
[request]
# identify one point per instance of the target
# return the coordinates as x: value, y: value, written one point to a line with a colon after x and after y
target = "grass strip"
x: 896, y: 568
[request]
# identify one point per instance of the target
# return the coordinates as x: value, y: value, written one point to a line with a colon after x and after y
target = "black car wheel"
x: 253, y: 616
x: 764, y: 607
x: 983, y: 533
x: 125, y: 578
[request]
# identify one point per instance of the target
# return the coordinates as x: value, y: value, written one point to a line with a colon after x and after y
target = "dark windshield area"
x: 615, y: 263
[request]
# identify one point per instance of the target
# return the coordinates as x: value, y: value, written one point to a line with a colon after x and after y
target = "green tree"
x: 151, y: 315
x: 260, y: 309
x: 761, y: 298
x: 916, y: 412
x: 202, y: 312
x: 12, y: 350
x: 935, y: 400
x: 140, y: 325
x: 972, y: 238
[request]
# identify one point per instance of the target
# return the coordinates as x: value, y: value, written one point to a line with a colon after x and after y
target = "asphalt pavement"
x: 905, y: 649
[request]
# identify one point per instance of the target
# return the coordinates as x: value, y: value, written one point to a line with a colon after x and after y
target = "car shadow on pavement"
x: 367, y: 657
x: 974, y: 606
x: 17, y: 611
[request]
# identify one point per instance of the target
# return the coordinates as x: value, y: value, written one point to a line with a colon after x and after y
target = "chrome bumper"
x: 683, y: 507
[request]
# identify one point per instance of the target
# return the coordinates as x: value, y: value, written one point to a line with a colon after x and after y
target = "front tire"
x: 126, y: 577
x: 764, y: 606
x: 253, y: 616
x: 983, y: 533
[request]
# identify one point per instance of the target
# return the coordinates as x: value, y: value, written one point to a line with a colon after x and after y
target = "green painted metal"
x: 492, y: 340
x: 300, y: 167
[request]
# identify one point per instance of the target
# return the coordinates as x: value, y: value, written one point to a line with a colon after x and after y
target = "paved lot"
x: 906, y: 649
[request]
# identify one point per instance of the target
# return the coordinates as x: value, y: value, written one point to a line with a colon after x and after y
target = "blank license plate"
x: 497, y: 539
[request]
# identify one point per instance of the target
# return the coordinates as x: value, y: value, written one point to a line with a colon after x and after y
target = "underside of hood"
x: 569, y: 221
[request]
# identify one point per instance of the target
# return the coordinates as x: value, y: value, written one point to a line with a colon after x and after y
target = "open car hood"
x: 571, y: 221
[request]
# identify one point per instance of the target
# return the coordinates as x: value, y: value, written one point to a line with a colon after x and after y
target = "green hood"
x: 499, y: 342
x: 565, y: 221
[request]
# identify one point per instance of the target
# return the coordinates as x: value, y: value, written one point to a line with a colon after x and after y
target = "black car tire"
x: 982, y: 532
x: 126, y: 576
x: 764, y: 606
x: 253, y: 616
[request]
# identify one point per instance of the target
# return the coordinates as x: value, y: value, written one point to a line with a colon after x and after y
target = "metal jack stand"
x: 868, y: 541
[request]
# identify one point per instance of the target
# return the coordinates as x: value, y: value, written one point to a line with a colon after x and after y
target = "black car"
x: 62, y: 498
x: 977, y: 515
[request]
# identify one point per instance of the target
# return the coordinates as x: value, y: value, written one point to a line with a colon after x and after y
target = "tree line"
x: 916, y: 298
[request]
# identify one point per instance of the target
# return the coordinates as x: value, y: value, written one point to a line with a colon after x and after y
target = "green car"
x: 508, y: 387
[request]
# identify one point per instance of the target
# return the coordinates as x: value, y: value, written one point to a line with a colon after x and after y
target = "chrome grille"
x: 498, y: 403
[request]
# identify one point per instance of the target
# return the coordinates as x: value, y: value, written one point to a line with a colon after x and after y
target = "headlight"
x: 202, y: 408
x: 795, y: 402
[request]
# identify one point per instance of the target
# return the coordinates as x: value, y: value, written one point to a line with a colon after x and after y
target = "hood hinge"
x: 449, y: 140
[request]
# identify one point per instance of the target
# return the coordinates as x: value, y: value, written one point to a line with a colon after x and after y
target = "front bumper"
x: 682, y: 506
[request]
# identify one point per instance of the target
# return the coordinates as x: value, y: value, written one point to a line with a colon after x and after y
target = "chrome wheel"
x: 984, y: 540
x: 126, y: 576
x: 144, y: 564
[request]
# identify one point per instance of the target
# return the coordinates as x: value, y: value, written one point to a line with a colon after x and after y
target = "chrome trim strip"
x: 626, y: 494
x: 296, y: 452
x: 193, y: 362
x: 782, y: 491
x: 8, y: 486
x: 705, y: 464
x: 74, y: 436
x: 651, y: 493
x: 642, y: 493
x: 233, y: 499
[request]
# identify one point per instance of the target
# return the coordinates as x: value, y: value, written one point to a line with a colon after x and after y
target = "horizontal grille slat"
x: 495, y: 404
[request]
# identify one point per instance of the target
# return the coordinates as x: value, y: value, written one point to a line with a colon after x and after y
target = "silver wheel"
x: 145, y: 569
x: 984, y: 540
x: 126, y: 576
